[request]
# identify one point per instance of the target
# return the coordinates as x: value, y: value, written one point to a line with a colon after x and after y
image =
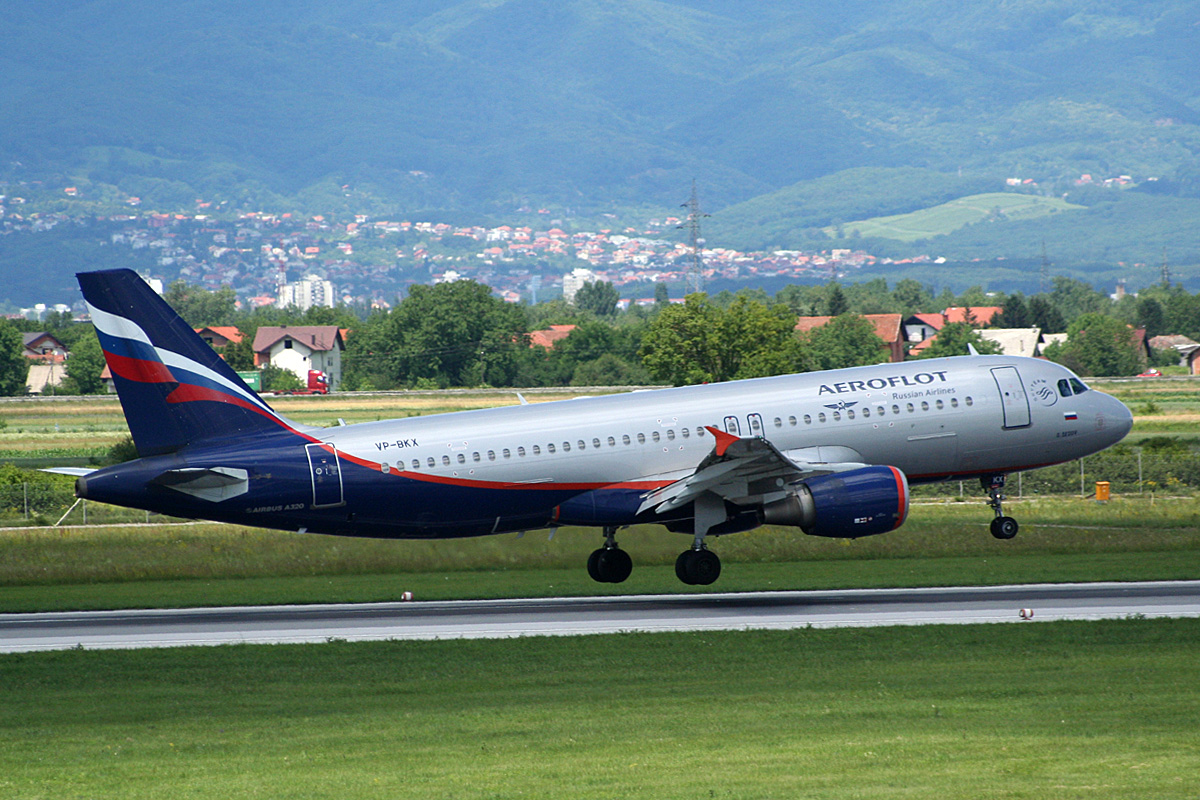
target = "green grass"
x: 949, y: 217
x: 1064, y: 710
x: 1062, y: 539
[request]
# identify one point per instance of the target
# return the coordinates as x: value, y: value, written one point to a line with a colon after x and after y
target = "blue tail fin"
x: 175, y: 390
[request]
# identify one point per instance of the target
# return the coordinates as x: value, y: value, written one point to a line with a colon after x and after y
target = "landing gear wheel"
x: 1004, y: 527
x: 609, y: 565
x: 615, y: 565
x: 698, y: 567
x: 593, y: 565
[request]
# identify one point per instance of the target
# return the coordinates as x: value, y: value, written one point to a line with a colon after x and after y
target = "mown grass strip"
x: 1017, y: 711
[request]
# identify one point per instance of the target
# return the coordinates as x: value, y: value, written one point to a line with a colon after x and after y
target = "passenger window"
x: 807, y: 419
x: 625, y: 438
x: 581, y: 444
x: 445, y: 461
x: 550, y: 449
x: 1064, y: 388
x: 654, y: 435
x: 612, y: 442
x: 910, y: 407
x: 566, y: 447
x: 475, y: 456
x: 895, y: 409
x: 430, y: 462
x: 685, y: 433
x: 778, y: 422
x: 641, y: 438
x: 940, y: 405
x: 537, y: 450
x: 821, y: 417
x: 507, y: 453
x: 462, y: 458
x: 792, y: 421
x: 521, y: 451
x: 491, y: 455
x: 837, y: 417
x: 866, y: 412
x: 416, y: 464
x: 954, y: 402
x: 596, y: 443
x: 850, y: 413
x: 969, y: 401
x: 670, y: 434
x: 924, y: 406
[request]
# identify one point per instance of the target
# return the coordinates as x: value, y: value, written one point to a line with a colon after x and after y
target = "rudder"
x: 174, y: 389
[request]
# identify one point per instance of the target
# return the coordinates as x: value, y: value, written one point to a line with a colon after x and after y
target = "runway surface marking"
x: 589, y: 615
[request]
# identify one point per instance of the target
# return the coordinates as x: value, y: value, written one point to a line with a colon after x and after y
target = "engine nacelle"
x: 845, y: 505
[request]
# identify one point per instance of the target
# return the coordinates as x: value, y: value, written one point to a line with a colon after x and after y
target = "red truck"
x: 318, y: 383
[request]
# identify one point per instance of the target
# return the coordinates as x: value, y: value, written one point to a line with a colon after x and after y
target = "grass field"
x: 949, y: 217
x: 1063, y: 710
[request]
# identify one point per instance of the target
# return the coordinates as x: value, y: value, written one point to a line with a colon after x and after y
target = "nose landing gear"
x: 609, y: 564
x: 1002, y: 527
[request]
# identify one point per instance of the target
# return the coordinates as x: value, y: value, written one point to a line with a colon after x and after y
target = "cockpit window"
x: 1078, y: 386
x: 1064, y: 388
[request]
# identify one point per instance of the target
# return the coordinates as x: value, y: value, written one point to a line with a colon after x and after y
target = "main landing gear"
x: 698, y: 566
x: 1002, y: 527
x: 609, y: 564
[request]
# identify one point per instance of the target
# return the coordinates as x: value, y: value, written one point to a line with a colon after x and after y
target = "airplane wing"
x: 749, y: 471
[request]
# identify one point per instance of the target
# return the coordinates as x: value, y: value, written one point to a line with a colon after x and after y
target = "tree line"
x: 460, y: 334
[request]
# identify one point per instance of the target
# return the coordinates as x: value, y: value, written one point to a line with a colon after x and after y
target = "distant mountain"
x: 490, y: 105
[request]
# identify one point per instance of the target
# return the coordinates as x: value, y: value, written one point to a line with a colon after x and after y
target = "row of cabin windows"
x: 879, y: 410
x: 670, y: 435
x: 551, y: 448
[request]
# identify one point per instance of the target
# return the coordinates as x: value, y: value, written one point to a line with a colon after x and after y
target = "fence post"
x: 1081, y: 490
x: 1139, y: 471
x: 25, y: 502
x: 1020, y: 486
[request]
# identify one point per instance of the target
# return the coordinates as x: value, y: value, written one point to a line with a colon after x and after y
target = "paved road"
x: 570, y: 616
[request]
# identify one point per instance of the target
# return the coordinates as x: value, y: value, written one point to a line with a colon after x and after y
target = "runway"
x: 573, y: 616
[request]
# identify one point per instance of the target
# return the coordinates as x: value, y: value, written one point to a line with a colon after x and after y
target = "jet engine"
x: 844, y: 505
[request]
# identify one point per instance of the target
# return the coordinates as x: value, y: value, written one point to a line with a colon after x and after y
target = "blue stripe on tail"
x: 174, y: 389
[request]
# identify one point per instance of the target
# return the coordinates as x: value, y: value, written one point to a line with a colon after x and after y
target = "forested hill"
x: 490, y: 105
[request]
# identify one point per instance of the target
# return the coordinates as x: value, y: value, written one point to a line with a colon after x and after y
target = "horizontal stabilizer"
x: 77, y: 472
x: 213, y: 484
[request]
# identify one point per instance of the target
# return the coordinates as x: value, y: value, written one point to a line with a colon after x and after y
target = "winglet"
x: 723, y: 439
x: 971, y: 349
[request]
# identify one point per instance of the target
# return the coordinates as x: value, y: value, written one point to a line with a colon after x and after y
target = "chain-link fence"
x: 45, y: 503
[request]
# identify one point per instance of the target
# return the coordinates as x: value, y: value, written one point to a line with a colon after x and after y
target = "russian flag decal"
x: 1070, y: 415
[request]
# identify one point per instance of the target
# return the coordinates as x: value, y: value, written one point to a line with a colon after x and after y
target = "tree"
x: 1014, y: 313
x: 599, y: 297
x: 699, y: 342
x: 910, y: 297
x: 1073, y: 298
x: 454, y: 334
x: 200, y: 307
x: 14, y: 366
x: 84, y: 366
x: 835, y: 301
x: 1045, y: 316
x: 845, y: 341
x: 1150, y: 315
x: 662, y: 295
x: 952, y: 340
x: 1097, y: 344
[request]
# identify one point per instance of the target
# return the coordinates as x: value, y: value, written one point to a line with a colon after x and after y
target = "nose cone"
x: 1114, y: 420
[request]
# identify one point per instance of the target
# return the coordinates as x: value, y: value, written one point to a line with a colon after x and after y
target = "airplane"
x: 832, y: 453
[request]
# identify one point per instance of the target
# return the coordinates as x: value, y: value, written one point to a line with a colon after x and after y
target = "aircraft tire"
x: 698, y: 567
x: 593, y: 566
x: 1004, y: 527
x: 681, y: 567
x: 615, y: 565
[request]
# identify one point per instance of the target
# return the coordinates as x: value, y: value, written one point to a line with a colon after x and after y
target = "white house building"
x: 299, y: 348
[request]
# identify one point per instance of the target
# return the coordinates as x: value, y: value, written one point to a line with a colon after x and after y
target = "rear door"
x: 1012, y: 397
x: 326, y: 475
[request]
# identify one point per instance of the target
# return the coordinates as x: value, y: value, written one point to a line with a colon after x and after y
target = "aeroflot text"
x: 920, y: 379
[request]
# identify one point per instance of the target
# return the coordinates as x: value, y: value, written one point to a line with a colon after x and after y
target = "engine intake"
x: 845, y: 505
